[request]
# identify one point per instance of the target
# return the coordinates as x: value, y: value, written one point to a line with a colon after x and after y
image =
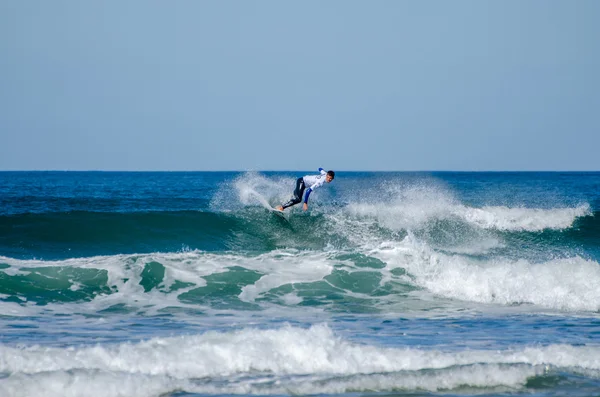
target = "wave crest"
x: 269, y: 361
x: 564, y: 284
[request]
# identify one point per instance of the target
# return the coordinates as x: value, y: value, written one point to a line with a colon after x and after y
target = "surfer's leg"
x: 298, y: 193
x: 290, y: 203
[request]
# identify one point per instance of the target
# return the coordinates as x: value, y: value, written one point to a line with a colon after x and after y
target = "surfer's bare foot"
x: 279, y: 208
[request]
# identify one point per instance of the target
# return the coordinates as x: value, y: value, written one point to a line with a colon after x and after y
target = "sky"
x: 280, y: 85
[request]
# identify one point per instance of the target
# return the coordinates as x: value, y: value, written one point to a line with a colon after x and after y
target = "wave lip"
x: 524, y: 219
x: 413, y: 212
x: 291, y: 358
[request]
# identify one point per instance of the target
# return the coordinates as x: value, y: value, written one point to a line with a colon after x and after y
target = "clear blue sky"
x: 271, y: 85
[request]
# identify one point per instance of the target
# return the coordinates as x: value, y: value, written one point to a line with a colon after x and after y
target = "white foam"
x: 524, y: 219
x: 252, y: 189
x: 283, y: 351
x: 564, y: 284
x: 291, y: 299
x: 124, y: 274
x: 483, y: 245
x: 412, y: 207
x: 281, y: 270
x: 83, y: 383
x: 271, y: 361
x: 109, y: 384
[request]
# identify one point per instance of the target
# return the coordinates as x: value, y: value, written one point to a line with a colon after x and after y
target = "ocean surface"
x: 391, y: 284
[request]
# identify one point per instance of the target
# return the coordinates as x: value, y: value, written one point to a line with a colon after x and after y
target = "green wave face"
x: 353, y: 282
x: 79, y: 234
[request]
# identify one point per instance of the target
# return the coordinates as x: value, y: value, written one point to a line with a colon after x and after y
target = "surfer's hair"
x: 331, y: 174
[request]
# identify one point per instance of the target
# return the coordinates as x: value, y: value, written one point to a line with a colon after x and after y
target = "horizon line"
x: 289, y: 170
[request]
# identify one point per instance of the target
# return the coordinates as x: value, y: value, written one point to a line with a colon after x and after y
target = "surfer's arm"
x: 310, y: 189
x: 313, y: 187
x: 307, y: 194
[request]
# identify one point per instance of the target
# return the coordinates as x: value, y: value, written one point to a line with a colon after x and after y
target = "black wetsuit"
x: 298, y: 193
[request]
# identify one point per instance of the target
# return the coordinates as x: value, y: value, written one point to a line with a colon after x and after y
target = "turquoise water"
x: 183, y: 284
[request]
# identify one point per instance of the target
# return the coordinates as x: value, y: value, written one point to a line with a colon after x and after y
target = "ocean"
x: 391, y: 284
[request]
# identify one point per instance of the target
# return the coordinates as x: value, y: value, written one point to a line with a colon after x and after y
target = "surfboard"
x: 279, y: 214
x: 276, y: 211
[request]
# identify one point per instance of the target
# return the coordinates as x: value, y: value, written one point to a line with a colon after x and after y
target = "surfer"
x: 313, y: 182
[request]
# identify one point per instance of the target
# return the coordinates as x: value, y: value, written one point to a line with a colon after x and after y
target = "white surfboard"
x: 279, y: 213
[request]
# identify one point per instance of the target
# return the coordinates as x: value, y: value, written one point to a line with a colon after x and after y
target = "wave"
x: 277, y: 361
x: 157, y: 281
x: 56, y: 234
x: 72, y: 234
x: 420, y: 213
x: 525, y: 219
x: 77, y: 234
x: 236, y: 219
x: 564, y: 284
x: 370, y: 280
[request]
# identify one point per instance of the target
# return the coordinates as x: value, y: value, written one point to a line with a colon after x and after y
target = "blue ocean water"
x: 403, y: 284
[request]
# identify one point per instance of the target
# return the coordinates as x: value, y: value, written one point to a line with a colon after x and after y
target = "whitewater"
x: 185, y: 284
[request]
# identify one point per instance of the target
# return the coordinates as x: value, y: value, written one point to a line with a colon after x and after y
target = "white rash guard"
x: 313, y: 182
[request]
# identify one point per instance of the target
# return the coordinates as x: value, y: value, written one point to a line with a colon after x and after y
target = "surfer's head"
x: 330, y: 176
